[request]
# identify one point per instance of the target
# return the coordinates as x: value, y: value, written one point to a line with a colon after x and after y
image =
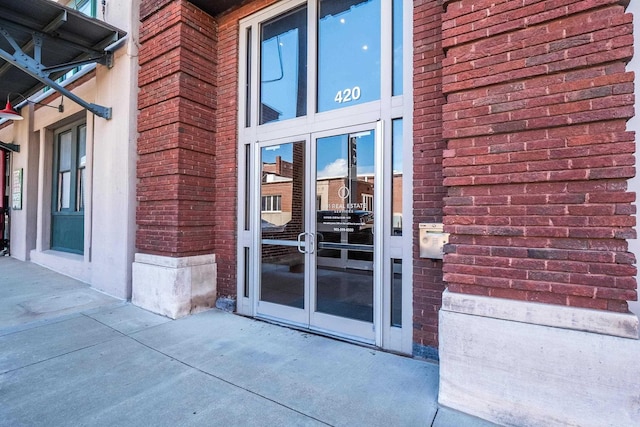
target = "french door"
x: 317, y: 247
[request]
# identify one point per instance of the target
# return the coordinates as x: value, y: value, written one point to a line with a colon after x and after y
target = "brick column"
x: 176, y: 165
x: 428, y: 189
x: 537, y: 163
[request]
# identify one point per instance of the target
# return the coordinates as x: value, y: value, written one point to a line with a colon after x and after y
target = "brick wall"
x: 176, y: 167
x: 226, y: 182
x: 538, y: 154
x: 428, y: 146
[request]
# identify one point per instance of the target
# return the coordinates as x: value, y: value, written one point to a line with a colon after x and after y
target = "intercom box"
x: 432, y: 240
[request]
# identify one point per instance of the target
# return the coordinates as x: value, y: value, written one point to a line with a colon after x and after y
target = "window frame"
x: 274, y: 202
x: 385, y: 110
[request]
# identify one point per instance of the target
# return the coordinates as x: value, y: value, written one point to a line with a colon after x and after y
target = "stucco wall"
x: 110, y: 197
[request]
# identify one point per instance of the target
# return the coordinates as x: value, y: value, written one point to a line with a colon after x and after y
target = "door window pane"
x: 82, y: 146
x: 344, y: 224
x: 65, y: 151
x: 64, y: 190
x: 283, y: 67
x: 348, y: 53
x: 282, y: 220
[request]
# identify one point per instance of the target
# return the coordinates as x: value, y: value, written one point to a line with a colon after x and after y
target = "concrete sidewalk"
x: 72, y: 356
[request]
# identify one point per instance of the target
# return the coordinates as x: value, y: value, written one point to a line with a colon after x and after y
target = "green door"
x: 67, y: 201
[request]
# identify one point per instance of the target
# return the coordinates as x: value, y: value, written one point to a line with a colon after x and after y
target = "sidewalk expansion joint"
x: 215, y: 376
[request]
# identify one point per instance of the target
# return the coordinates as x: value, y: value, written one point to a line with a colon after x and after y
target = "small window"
x: 88, y: 7
x: 367, y: 202
x: 272, y: 203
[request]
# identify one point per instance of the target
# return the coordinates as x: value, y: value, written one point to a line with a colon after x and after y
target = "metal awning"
x: 41, y: 40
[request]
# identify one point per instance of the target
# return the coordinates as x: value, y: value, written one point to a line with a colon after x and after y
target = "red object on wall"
x: 4, y: 197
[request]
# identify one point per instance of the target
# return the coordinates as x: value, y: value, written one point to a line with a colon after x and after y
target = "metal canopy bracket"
x: 33, y: 65
x: 11, y: 147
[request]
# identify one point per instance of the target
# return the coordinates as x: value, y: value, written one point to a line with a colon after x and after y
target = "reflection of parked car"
x: 271, y: 228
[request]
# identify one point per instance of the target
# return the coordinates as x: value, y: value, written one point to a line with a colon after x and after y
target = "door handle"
x: 300, y: 248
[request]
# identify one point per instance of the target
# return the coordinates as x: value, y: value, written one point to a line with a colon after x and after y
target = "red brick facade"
x: 176, y: 144
x: 428, y: 146
x: 519, y: 141
x: 538, y: 153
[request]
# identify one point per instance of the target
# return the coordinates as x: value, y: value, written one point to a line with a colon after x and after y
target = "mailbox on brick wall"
x: 432, y: 240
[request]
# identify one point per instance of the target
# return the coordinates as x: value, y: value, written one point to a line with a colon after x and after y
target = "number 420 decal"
x: 347, y: 95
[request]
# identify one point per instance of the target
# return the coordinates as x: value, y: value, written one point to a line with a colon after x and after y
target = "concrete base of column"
x: 524, y: 364
x: 174, y: 287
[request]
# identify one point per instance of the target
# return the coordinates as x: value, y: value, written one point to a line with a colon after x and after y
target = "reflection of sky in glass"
x: 397, y: 47
x: 397, y: 146
x: 285, y: 151
x: 349, y: 54
x: 279, y: 73
x: 332, y: 155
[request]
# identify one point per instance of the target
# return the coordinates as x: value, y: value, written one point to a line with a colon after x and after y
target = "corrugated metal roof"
x: 67, y: 36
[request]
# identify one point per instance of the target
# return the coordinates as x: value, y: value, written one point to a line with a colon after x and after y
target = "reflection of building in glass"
x: 277, y: 186
x: 269, y: 114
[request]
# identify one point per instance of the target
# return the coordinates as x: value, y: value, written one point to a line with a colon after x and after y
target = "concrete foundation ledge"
x: 174, y: 287
x: 71, y: 265
x: 623, y: 325
x: 516, y: 372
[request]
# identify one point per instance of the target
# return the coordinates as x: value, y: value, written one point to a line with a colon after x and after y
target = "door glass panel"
x: 64, y: 190
x: 82, y: 163
x: 348, y: 53
x: 283, y: 67
x: 344, y: 225
x: 282, y: 221
x: 65, y: 151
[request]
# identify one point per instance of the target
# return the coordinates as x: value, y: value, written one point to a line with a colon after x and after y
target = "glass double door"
x: 317, y: 239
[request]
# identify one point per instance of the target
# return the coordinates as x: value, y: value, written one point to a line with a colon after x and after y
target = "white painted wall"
x: 114, y: 159
x: 23, y: 221
x: 111, y: 167
x: 634, y: 125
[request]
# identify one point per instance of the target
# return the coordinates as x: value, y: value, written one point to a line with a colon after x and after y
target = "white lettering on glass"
x: 347, y: 95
